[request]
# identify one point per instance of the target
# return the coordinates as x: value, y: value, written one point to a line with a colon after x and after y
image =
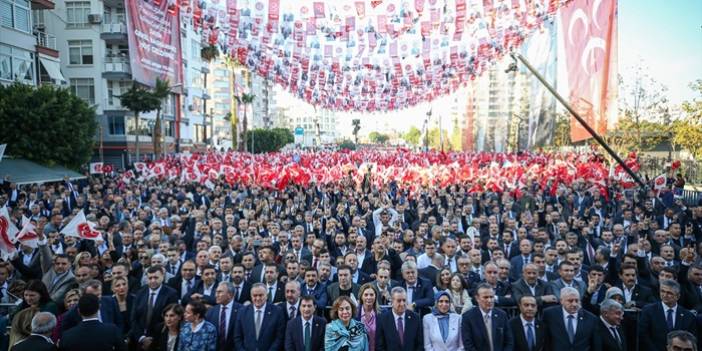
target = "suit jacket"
x: 690, y: 295
x: 387, y: 337
x: 641, y: 295
x: 272, y: 333
x: 520, y: 338
x: 433, y: 341
x: 34, y: 343
x: 608, y: 341
x: 558, y: 284
x: 176, y: 283
x: 199, y: 288
x: 278, y: 294
x: 244, y: 293
x: 474, y: 333
x: 109, y: 313
x: 517, y: 263
x: 57, y: 289
x: 294, y: 334
x: 31, y: 271
x: 422, y: 296
x: 160, y: 338
x: 319, y: 293
x: 653, y: 327
x: 333, y: 291
x: 429, y: 273
x: 213, y: 316
x: 521, y: 288
x: 92, y: 336
x: 557, y: 335
x: 165, y: 297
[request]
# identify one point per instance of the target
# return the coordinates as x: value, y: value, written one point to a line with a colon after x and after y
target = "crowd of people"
x: 347, y: 261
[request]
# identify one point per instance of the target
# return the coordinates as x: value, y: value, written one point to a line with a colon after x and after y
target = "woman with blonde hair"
x: 369, y: 311
x: 344, y: 333
x: 21, y: 326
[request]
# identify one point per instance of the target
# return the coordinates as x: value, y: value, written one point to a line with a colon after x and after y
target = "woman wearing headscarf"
x: 442, y: 327
x: 345, y: 333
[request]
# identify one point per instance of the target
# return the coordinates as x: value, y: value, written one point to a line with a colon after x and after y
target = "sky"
x: 663, y: 37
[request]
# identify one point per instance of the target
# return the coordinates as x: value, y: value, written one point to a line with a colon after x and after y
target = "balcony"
x: 46, y: 44
x: 113, y: 3
x: 43, y: 5
x: 114, y: 33
x: 117, y: 68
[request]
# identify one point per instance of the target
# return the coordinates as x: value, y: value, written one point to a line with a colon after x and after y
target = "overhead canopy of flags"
x: 367, y: 55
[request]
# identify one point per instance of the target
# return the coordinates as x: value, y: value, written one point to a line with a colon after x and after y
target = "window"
x: 16, y: 64
x: 15, y: 14
x: 144, y: 128
x: 115, y: 89
x: 80, y: 52
x: 84, y: 88
x: 169, y: 128
x: 116, y: 125
x: 77, y: 14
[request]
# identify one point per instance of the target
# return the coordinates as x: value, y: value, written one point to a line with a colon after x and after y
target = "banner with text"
x: 154, y: 41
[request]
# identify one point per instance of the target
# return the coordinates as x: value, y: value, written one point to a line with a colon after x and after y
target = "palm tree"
x: 356, y: 128
x: 233, y: 64
x: 161, y: 92
x: 137, y: 99
x: 245, y: 99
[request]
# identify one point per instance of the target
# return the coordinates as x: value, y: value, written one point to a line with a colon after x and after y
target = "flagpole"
x: 597, y: 137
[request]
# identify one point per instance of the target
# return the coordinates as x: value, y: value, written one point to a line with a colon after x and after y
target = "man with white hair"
x: 420, y: 296
x: 43, y: 325
x: 580, y: 326
x: 612, y: 335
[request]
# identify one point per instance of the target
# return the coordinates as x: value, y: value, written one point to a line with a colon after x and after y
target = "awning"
x: 53, y: 68
x: 22, y: 171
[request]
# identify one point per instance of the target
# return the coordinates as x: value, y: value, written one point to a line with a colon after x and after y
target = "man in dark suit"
x: 531, y: 285
x: 399, y: 329
x: 275, y: 289
x: 148, y: 306
x: 579, y: 333
x: 659, y: 318
x: 527, y: 330
x: 420, y: 295
x: 306, y: 331
x: 109, y: 311
x: 242, y: 289
x: 204, y: 290
x: 90, y: 334
x: 261, y: 325
x: 611, y: 334
x: 486, y: 325
x: 635, y: 294
x: 343, y: 287
x: 518, y: 262
x: 312, y: 288
x: 43, y: 324
x: 432, y: 270
x: 224, y: 315
x: 27, y: 263
x: 185, y: 281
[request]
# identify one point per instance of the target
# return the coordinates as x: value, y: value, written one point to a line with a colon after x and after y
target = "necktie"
x: 530, y: 336
x: 401, y: 330
x: 526, y: 260
x: 270, y: 294
x: 150, y: 308
x: 236, y: 293
x: 258, y: 323
x: 314, y: 262
x: 292, y: 312
x: 223, y: 325
x: 488, y: 327
x: 616, y: 335
x: 308, y: 336
x: 571, y: 329
x: 669, y: 320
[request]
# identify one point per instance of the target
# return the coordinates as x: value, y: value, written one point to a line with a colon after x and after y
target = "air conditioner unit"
x: 40, y: 27
x: 94, y: 18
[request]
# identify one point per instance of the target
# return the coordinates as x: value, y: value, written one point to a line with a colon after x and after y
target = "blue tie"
x: 571, y: 329
x: 530, y: 336
x: 669, y: 320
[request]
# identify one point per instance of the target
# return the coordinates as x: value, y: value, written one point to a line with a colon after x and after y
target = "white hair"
x: 567, y: 291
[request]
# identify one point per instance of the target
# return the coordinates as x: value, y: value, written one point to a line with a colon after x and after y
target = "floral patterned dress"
x: 202, y: 338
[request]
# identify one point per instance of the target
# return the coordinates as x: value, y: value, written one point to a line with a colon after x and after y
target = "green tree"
x: 138, y: 100
x: 688, y: 131
x: 209, y: 53
x: 161, y: 92
x: 644, y: 101
x: 378, y: 138
x: 412, y: 136
x: 47, y: 125
x: 628, y: 134
x: 435, y: 139
x: 356, y: 123
x: 270, y: 140
x: 244, y: 99
x: 347, y: 145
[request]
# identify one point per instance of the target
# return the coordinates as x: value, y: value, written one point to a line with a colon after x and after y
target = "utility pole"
x: 205, y: 97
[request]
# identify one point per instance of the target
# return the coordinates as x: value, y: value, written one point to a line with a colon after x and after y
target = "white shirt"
x: 575, y: 320
x: 627, y: 293
x: 198, y: 326
x: 296, y: 306
x: 396, y: 316
x: 526, y: 328
x: 410, y: 292
x: 27, y: 258
x: 184, y: 287
x: 665, y: 312
x: 227, y: 316
x: 360, y: 257
x: 423, y: 261
x: 208, y: 290
x: 311, y: 320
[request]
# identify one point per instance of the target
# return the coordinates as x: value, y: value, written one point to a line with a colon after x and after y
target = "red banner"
x: 154, y: 41
x: 589, y: 40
